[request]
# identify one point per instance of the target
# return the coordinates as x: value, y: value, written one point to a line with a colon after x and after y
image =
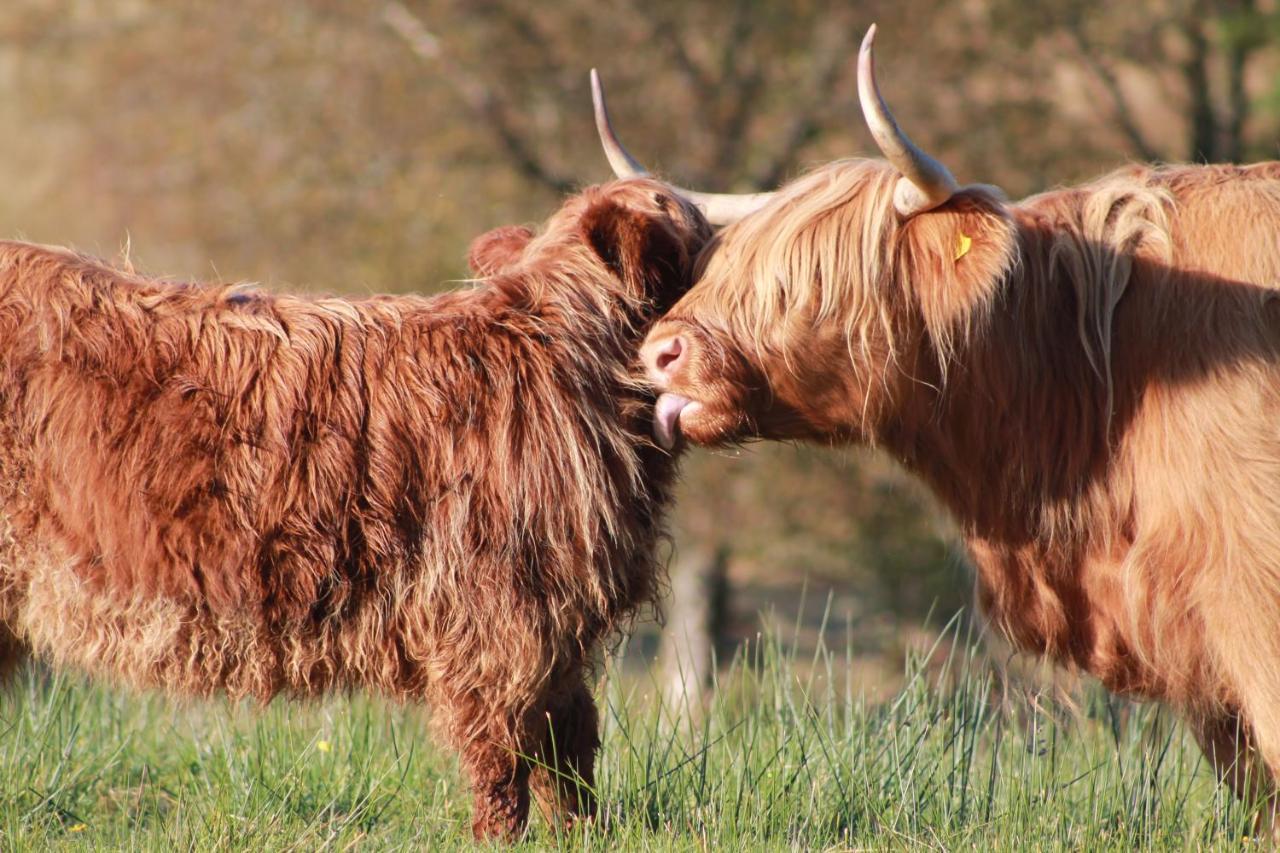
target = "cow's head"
x: 815, y: 309
x: 632, y: 241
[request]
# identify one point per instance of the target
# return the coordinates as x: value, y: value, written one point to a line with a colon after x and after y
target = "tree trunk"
x: 1204, y: 124
x: 695, y: 622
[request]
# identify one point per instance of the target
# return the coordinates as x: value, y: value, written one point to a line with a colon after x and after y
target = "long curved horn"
x: 620, y: 159
x: 925, y: 183
x: 719, y: 208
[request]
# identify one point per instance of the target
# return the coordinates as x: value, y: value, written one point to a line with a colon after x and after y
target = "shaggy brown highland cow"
x: 449, y: 500
x: 1088, y: 379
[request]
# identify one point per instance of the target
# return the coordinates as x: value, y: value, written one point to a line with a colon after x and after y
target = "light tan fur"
x: 1092, y: 389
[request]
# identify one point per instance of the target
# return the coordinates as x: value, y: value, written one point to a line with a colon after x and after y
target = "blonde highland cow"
x: 1089, y: 380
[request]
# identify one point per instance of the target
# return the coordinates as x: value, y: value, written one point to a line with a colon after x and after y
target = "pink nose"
x: 664, y: 358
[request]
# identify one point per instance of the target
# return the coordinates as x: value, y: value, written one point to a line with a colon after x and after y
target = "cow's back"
x: 183, y: 472
x: 1226, y: 220
x: 213, y: 489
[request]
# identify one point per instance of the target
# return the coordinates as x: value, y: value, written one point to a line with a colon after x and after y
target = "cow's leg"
x: 500, y: 791
x: 1240, y: 614
x: 12, y: 653
x: 564, y: 778
x: 1245, y: 745
x: 1224, y: 740
x: 1227, y: 742
x: 498, y: 745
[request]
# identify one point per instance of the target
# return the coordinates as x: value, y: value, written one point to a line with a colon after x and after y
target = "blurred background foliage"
x: 356, y: 146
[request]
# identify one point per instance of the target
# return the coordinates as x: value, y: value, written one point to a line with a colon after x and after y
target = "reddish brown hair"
x: 452, y: 500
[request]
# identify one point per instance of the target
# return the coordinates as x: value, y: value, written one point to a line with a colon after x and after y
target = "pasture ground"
x: 786, y: 754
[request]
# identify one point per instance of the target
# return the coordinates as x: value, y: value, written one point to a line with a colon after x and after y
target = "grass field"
x: 780, y: 758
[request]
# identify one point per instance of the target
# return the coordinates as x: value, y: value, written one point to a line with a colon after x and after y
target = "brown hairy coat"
x: 449, y: 500
x: 1088, y: 379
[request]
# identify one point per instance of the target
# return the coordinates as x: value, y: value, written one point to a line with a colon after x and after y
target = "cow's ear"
x: 954, y: 258
x: 493, y: 251
x: 642, y: 251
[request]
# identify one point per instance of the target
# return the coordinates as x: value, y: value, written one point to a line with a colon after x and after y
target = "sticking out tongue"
x: 666, y: 419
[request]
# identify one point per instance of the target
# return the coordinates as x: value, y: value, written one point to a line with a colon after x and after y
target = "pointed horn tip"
x: 601, y: 109
x: 620, y: 160
x: 597, y: 88
x: 868, y: 39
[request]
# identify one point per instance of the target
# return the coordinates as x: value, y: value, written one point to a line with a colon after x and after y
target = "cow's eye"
x: 661, y: 200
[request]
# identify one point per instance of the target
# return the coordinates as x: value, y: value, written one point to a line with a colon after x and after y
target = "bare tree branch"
x: 477, y: 96
x: 741, y: 81
x: 731, y: 100
x: 1120, y: 107
x: 806, y: 123
x: 663, y: 32
x: 1203, y: 144
x: 1238, y: 54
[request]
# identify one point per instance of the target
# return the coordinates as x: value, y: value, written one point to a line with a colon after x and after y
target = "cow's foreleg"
x: 498, y: 744
x: 12, y: 653
x: 500, y: 791
x: 1224, y: 740
x: 564, y: 777
x: 1227, y: 742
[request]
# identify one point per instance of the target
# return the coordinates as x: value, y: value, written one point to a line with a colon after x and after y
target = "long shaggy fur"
x: 1089, y: 380
x: 449, y: 500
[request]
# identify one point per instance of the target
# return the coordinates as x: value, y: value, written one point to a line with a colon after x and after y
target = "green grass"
x: 784, y: 755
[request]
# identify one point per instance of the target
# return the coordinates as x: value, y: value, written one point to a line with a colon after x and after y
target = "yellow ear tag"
x: 963, y: 243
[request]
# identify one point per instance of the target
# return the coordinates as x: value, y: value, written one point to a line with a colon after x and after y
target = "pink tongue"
x: 666, y: 419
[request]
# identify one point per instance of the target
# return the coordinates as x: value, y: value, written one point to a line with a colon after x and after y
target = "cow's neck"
x: 1019, y: 442
x: 1015, y: 437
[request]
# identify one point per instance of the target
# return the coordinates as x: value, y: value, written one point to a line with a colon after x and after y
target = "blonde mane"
x: 798, y: 259
x: 1095, y: 240
x: 799, y: 264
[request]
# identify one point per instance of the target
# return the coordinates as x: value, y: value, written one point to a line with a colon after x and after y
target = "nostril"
x: 669, y: 355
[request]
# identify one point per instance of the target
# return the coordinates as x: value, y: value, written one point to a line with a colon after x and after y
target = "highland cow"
x: 209, y: 489
x: 1089, y: 380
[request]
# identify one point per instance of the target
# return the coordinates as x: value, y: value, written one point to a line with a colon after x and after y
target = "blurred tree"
x: 1196, y: 63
